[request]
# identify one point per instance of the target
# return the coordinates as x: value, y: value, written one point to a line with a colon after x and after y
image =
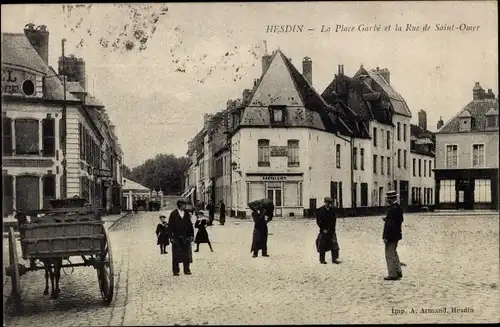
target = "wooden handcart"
x: 62, y: 233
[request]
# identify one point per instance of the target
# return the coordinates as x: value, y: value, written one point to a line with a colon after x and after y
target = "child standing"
x: 162, y: 234
x: 202, y: 234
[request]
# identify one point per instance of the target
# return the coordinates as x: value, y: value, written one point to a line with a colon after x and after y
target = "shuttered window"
x: 7, y: 136
x: 27, y: 136
x: 49, y: 134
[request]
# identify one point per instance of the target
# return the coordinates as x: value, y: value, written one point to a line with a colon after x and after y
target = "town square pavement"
x: 452, y: 262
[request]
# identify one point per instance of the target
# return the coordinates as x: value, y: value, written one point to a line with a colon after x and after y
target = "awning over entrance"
x: 207, y: 187
x: 188, y: 192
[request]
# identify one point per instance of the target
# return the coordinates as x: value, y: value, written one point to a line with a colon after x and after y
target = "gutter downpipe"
x: 63, y: 118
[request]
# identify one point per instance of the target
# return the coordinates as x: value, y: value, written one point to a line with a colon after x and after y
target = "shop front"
x: 467, y: 189
x: 285, y: 190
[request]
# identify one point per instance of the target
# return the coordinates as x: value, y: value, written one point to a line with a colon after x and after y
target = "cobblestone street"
x: 451, y: 262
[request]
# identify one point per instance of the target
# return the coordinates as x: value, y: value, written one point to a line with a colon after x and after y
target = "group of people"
x: 180, y: 233
x: 392, y: 234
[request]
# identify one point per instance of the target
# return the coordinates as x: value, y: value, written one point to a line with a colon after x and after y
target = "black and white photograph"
x: 250, y: 163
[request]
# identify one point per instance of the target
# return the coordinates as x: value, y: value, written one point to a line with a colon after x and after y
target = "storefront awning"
x: 190, y: 192
x: 207, y: 187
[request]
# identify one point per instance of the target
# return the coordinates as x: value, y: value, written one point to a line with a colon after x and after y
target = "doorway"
x: 27, y: 193
x: 275, y: 195
x: 465, y: 195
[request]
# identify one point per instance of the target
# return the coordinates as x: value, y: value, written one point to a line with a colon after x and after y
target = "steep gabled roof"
x: 477, y: 110
x: 397, y: 101
x: 18, y: 51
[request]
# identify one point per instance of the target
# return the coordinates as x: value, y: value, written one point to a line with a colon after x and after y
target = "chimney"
x: 206, y: 120
x: 266, y: 62
x: 39, y: 39
x: 384, y: 72
x: 422, y: 119
x: 74, y: 68
x: 307, y: 69
x: 490, y: 94
x: 246, y: 96
x: 440, y: 123
x: 477, y: 92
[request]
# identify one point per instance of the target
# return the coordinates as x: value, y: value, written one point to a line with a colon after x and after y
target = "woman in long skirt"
x: 202, y: 234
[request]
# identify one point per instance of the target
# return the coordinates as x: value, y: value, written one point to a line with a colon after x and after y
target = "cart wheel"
x: 105, y: 272
x: 14, y: 264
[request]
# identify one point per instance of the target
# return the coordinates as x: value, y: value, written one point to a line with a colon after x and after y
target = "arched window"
x: 264, y: 152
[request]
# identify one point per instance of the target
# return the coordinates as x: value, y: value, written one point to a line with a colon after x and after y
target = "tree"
x: 164, y: 172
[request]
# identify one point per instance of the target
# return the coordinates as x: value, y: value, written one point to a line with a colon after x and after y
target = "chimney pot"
x: 422, y: 119
x: 39, y: 39
x: 307, y: 69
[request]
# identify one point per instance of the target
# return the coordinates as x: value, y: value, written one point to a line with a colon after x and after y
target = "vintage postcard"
x: 250, y: 163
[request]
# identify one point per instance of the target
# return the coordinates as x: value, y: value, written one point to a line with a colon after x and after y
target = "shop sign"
x: 279, y: 151
x: 102, y: 173
x: 274, y: 178
x: 12, y: 82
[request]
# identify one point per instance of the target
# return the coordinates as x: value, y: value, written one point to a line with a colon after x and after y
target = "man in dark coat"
x: 392, y: 235
x: 211, y: 213
x: 260, y: 231
x: 222, y: 215
x: 181, y: 233
x: 327, y: 237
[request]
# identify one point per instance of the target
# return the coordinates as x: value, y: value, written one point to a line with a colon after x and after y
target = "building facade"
x: 275, y: 143
x: 467, y: 155
x: 422, y: 163
x: 50, y: 139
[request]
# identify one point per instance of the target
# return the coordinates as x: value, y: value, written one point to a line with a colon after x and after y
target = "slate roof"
x: 477, y: 110
x: 397, y: 101
x: 312, y: 100
x: 419, y: 132
x: 18, y: 51
x: 360, y: 98
x: 92, y: 101
x: 74, y: 87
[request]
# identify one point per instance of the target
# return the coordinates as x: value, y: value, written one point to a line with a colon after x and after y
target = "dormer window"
x: 465, y: 119
x: 492, y: 118
x: 277, y: 114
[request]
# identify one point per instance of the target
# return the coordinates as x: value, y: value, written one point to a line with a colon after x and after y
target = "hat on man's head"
x: 181, y: 201
x: 391, y: 194
x: 328, y: 199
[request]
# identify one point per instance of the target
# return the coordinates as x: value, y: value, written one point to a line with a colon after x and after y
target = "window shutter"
x: 48, y: 132
x: 7, y: 136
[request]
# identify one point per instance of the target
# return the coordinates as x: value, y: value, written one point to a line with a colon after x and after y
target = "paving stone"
x: 452, y: 262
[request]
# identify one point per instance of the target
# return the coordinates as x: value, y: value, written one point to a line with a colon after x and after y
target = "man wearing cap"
x: 392, y: 235
x: 327, y: 237
x: 181, y: 234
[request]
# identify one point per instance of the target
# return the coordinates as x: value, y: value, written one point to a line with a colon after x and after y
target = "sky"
x: 199, y: 55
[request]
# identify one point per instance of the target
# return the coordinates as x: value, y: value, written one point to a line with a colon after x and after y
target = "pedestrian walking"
x: 211, y: 213
x: 222, y: 214
x: 392, y: 235
x: 162, y: 234
x: 261, y: 209
x: 202, y: 234
x: 327, y: 236
x: 181, y: 234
